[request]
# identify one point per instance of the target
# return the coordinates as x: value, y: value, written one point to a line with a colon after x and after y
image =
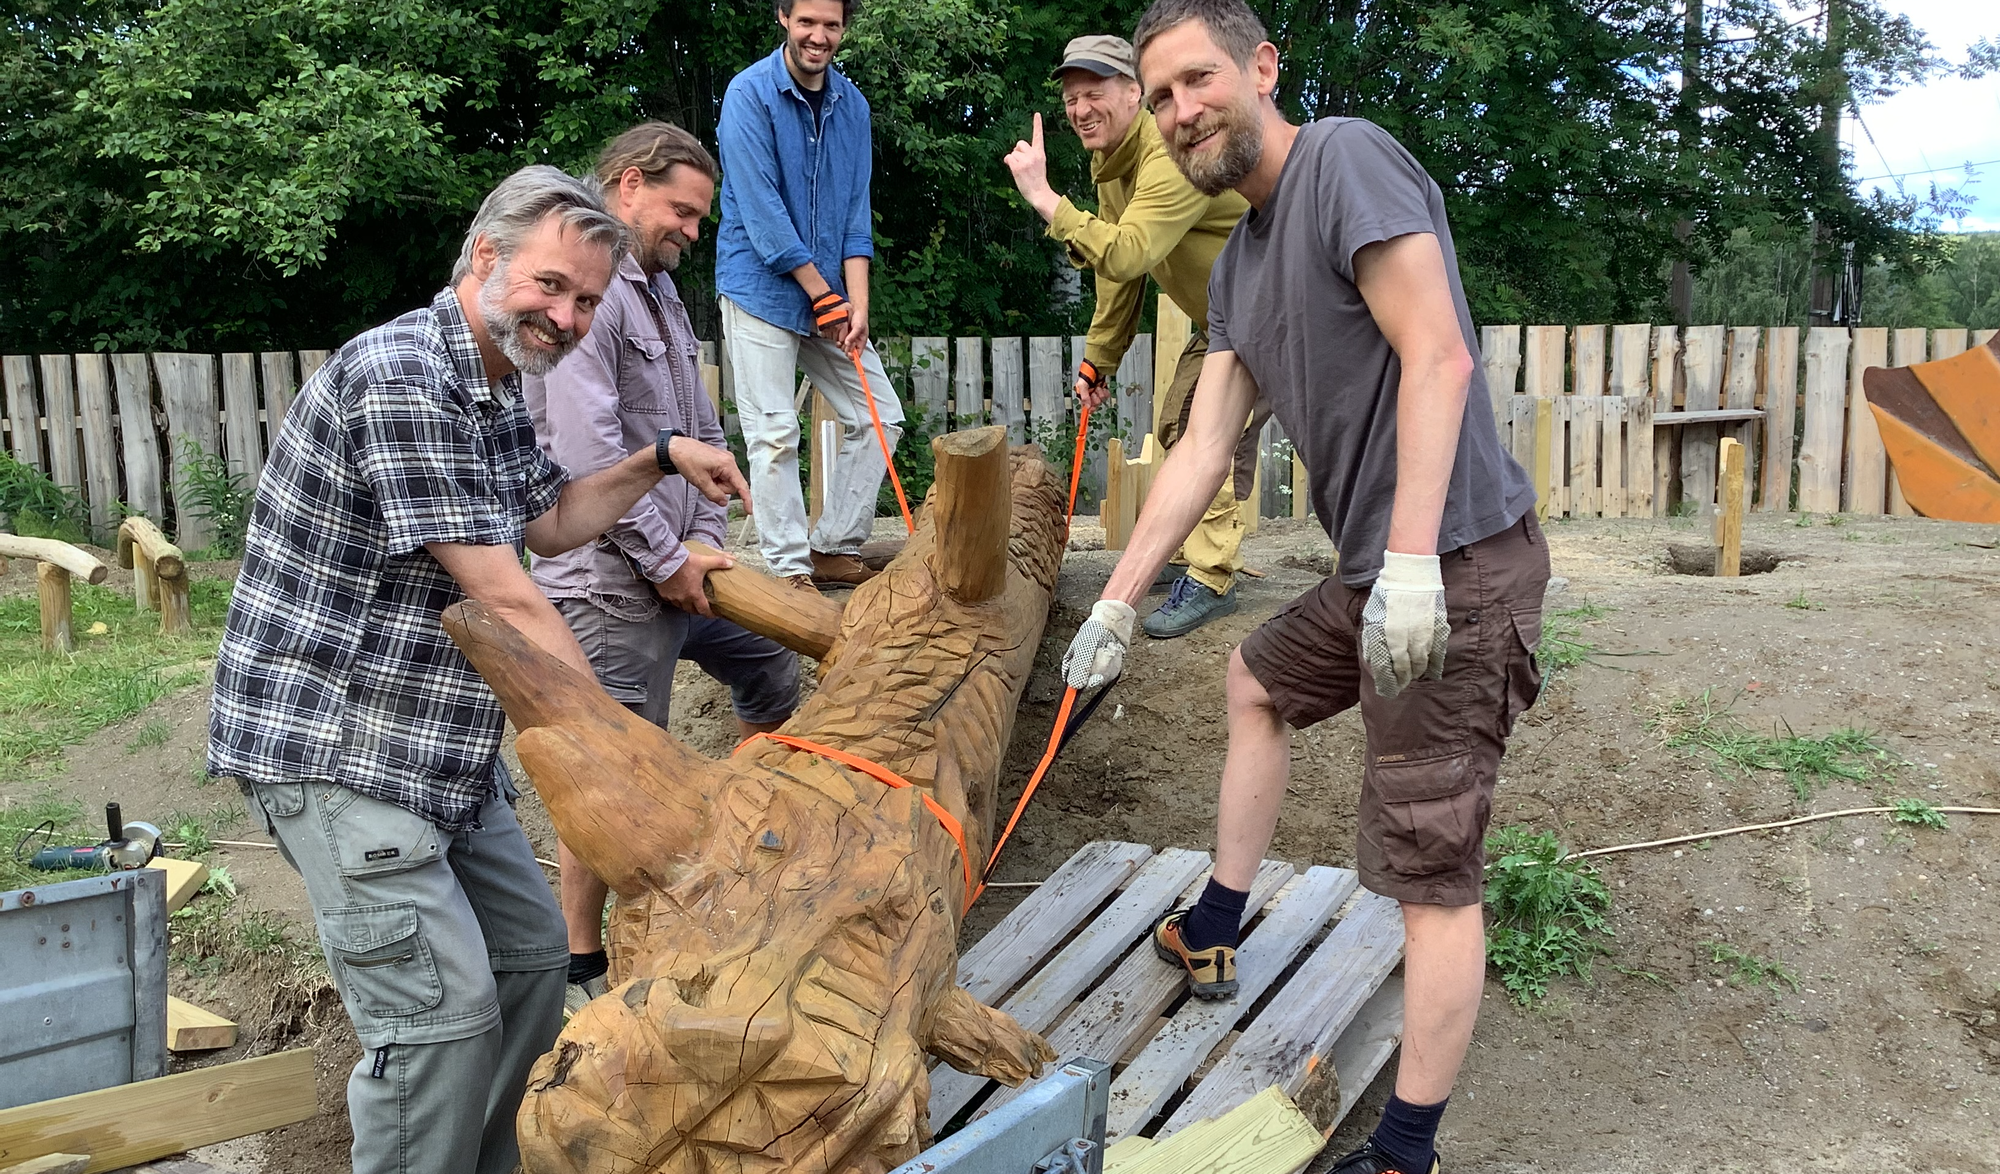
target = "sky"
x: 1943, y: 124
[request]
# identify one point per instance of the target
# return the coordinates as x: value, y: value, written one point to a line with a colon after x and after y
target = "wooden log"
x: 24, y: 410
x: 138, y: 536
x: 193, y: 1029
x: 1007, y: 382
x: 52, y: 587
x: 972, y: 474
x: 1781, y: 402
x: 72, y: 559
x: 138, y: 437
x: 784, y: 941
x: 806, y: 624
x: 100, y: 442
x: 1823, y: 419
x: 131, y: 1123
x: 1865, y: 488
x: 1729, y: 510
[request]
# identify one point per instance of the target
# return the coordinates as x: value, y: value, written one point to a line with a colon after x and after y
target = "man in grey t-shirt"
x: 1338, y: 295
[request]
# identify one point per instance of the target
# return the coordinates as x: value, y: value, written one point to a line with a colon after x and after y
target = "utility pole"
x: 1687, y: 121
x: 1833, y: 284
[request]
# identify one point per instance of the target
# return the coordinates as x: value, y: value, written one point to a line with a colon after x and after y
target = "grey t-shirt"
x: 1282, y: 297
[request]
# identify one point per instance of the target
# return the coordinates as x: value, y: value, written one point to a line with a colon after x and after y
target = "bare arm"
x: 1194, y: 470
x: 588, y: 507
x: 1404, y: 283
x: 854, y: 271
x: 493, y: 576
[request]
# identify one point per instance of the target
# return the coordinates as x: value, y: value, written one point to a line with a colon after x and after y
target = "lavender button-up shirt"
x: 636, y: 372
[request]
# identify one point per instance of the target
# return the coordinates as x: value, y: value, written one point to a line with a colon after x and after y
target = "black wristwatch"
x: 660, y: 450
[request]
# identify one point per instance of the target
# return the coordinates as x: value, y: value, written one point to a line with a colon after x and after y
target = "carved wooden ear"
x: 971, y: 513
x: 805, y: 622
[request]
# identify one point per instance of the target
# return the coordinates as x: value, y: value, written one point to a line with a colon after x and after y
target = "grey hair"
x: 524, y: 199
x: 1231, y: 24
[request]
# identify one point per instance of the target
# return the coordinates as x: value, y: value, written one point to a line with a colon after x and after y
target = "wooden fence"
x: 1612, y: 421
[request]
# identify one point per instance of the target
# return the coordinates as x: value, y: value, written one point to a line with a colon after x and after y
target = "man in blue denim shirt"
x: 792, y: 267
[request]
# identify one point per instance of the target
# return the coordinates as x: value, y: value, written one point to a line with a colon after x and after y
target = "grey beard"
x: 1242, y: 149
x: 504, y: 327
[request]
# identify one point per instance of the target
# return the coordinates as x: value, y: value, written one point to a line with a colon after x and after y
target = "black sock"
x: 584, y: 967
x: 1215, y: 918
x: 1408, y: 1133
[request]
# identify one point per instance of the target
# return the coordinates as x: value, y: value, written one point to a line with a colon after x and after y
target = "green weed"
x: 1803, y: 521
x: 1546, y: 914
x: 190, y: 832
x: 218, y: 495
x: 1748, y: 969
x: 153, y: 733
x: 1562, y: 647
x: 1807, y: 763
x: 38, y: 507
x: 1799, y: 602
x: 1918, y: 812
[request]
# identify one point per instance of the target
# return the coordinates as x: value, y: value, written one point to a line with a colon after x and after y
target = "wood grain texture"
x: 1134, y: 386
x: 1631, y: 358
x: 930, y: 379
x: 243, y: 436
x: 1781, y: 402
x: 24, y: 410
x: 1001, y: 959
x: 281, y: 385
x: 74, y: 559
x: 1739, y: 392
x: 784, y: 944
x: 184, y: 879
x: 52, y: 589
x: 1542, y: 361
x: 193, y: 1029
x: 1611, y: 458
x: 1171, y: 331
x: 1823, y: 419
x: 60, y: 420
x: 1500, y: 353
x: 1729, y: 511
x: 1008, y: 375
x: 138, y: 437
x: 1864, y: 490
x: 1362, y: 1050
x: 968, y: 376
x: 1640, y: 476
x: 94, y: 405
x: 806, y: 623
x: 1704, y: 357
x: 130, y: 1123
x: 187, y: 388
x: 1046, y: 384
x: 972, y: 474
x: 1266, y: 1134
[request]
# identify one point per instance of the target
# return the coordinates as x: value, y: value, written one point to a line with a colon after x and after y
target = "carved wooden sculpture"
x: 784, y: 942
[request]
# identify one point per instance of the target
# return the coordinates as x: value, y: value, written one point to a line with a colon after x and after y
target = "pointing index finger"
x: 1038, y: 131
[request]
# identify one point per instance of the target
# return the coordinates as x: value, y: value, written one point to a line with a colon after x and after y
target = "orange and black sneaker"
x: 1211, y: 972
x: 1373, y: 1159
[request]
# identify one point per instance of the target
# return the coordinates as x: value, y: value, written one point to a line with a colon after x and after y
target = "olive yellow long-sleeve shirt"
x: 1150, y: 221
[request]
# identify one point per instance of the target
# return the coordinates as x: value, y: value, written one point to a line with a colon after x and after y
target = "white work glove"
x: 1097, y: 654
x: 1403, y: 626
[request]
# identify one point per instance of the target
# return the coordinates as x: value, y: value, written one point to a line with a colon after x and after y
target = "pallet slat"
x: 1034, y: 927
x: 241, y: 435
x: 100, y: 440
x: 1367, y: 1044
x: 138, y: 437
x: 59, y: 409
x: 930, y: 379
x: 24, y: 410
x: 1703, y: 359
x: 1500, y: 351
x: 1740, y: 393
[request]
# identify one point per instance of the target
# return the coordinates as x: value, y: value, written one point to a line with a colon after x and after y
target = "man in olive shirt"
x: 1150, y: 221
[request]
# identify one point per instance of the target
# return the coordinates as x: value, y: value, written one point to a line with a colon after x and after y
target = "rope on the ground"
x: 1765, y: 827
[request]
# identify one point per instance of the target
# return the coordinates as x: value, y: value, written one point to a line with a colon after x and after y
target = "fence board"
x: 281, y: 386
x: 240, y: 433
x: 139, y: 435
x: 1823, y: 419
x: 1500, y: 351
x: 1739, y: 390
x: 1781, y: 401
x: 930, y: 380
x: 1274, y: 454
x: 1542, y: 361
x: 311, y: 361
x: 1702, y: 364
x: 1171, y: 331
x: 1045, y: 386
x: 1521, y: 441
x: 1587, y: 361
x: 969, y: 383
x: 187, y: 387
x: 1982, y: 337
x: 1908, y: 346
x: 1631, y: 354
x: 100, y: 440
x: 1611, y: 456
x: 1867, y: 463
x: 59, y: 410
x: 24, y: 411
x: 1007, y: 389
x: 1947, y: 342
x: 1587, y: 426
x: 1639, y: 475
x: 1666, y: 383
x: 1135, y: 391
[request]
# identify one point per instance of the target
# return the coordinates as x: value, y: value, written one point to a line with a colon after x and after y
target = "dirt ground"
x: 1886, y: 1057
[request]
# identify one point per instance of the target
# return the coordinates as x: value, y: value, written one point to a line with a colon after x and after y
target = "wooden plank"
x: 100, y: 439
x: 1781, y: 404
x: 192, y: 1029
x: 1044, y: 918
x: 1007, y: 385
x: 1500, y: 352
x: 1301, y: 486
x: 1947, y: 342
x: 1716, y: 416
x: 1045, y: 387
x: 1135, y: 391
x: 1729, y: 511
x: 1542, y: 361
x: 1521, y: 438
x: 969, y: 383
x: 1366, y: 1045
x: 138, y: 436
x: 1171, y: 331
x: 1666, y: 382
x: 1739, y: 391
x: 1631, y: 356
x: 1865, y: 490
x: 1611, y: 458
x: 1703, y: 357
x: 281, y: 385
x: 1114, y: 512
x: 1113, y: 1018
x: 1640, y: 477
x: 1907, y: 347
x: 309, y: 364
x: 1090, y: 953
x: 1297, y: 1029
x: 1982, y: 337
x: 59, y: 416
x: 131, y: 1123
x: 930, y: 380
x: 24, y: 411
x: 242, y: 437
x: 1586, y: 423
x: 825, y: 450
x: 1543, y: 469
x: 1823, y: 419
x: 1159, y: 1071
x: 1587, y: 361
x: 187, y: 387
x: 184, y: 879
x: 1266, y: 1134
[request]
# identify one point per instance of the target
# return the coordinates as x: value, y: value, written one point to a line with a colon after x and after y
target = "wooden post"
x: 174, y: 617
x: 1781, y: 402
x: 1171, y: 331
x: 1111, y: 507
x: 52, y: 584
x: 1729, y: 512
x: 970, y: 562
x: 1301, y: 488
x: 159, y: 572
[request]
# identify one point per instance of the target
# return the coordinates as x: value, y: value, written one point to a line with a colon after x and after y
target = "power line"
x: 1927, y: 170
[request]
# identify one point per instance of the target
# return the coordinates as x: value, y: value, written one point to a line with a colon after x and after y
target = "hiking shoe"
x: 802, y: 582
x: 840, y: 570
x: 1370, y: 1159
x: 1189, y: 605
x: 576, y: 994
x: 1211, y: 972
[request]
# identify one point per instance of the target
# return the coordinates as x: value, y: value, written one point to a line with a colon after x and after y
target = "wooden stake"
x: 52, y: 583
x: 972, y: 473
x: 1729, y: 513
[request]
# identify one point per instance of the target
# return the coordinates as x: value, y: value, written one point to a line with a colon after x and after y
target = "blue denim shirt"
x: 790, y: 193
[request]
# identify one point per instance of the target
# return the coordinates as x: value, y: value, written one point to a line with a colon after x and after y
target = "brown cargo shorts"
x: 1434, y: 751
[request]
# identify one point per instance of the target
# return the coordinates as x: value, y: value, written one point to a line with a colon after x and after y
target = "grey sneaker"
x: 576, y: 994
x: 1189, y: 605
x: 1169, y: 575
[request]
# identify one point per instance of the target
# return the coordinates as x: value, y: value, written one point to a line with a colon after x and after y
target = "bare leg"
x: 582, y: 903
x: 1444, y: 973
x: 1253, y: 779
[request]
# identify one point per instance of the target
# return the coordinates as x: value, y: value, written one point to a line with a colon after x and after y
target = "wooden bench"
x: 55, y: 562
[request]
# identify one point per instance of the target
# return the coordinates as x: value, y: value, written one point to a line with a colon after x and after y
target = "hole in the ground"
x: 1688, y: 559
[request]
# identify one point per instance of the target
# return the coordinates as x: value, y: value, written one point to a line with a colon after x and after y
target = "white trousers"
x: 765, y: 361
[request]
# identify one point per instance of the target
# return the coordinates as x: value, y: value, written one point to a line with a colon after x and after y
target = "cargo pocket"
x: 1433, y: 814
x: 1524, y: 670
x: 384, y: 965
x: 374, y: 838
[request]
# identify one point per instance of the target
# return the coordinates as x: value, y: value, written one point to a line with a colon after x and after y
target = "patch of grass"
x: 153, y: 733
x: 1799, y: 602
x: 1918, y: 812
x: 20, y: 820
x: 1545, y: 913
x: 1562, y: 647
x: 1683, y: 508
x: 1803, y: 521
x: 190, y: 832
x: 1807, y: 763
x: 1747, y: 969
x: 38, y: 507
x: 49, y: 702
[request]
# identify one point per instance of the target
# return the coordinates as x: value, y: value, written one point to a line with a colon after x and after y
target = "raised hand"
x: 1030, y: 165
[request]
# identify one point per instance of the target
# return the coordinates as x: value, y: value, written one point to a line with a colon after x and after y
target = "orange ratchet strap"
x: 888, y: 459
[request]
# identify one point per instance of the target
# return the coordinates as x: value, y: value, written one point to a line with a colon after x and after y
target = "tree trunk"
x: 784, y: 942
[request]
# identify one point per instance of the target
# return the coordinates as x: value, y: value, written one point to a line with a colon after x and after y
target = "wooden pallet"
x: 1074, y: 962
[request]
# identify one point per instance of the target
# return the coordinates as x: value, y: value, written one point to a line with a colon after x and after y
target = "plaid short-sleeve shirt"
x: 333, y: 663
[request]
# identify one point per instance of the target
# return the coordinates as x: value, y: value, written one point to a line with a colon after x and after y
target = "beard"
x: 505, y: 327
x: 664, y: 254
x: 1242, y: 147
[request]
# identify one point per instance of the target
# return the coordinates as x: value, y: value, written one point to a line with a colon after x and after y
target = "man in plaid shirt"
x: 406, y: 478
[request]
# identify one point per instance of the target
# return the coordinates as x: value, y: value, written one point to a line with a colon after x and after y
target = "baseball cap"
x: 1100, y: 54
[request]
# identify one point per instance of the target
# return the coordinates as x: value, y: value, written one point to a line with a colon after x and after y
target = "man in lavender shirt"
x: 634, y: 598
